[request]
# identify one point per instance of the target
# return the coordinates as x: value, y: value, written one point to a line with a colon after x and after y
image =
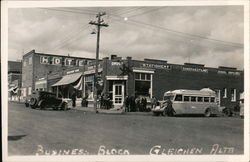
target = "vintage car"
x: 43, y: 99
x: 163, y: 109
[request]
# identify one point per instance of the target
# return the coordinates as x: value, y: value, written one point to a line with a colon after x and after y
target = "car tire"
x: 207, y: 112
x: 33, y: 102
x: 42, y: 105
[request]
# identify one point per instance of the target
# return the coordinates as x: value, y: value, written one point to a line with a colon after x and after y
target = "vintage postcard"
x: 125, y: 80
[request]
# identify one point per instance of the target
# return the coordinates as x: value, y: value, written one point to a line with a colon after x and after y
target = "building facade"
x: 40, y: 71
x: 119, y: 77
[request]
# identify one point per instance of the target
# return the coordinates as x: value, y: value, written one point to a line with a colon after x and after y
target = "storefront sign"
x: 116, y: 63
x: 157, y: 66
x: 72, y: 71
x: 236, y: 73
x: 190, y: 69
x: 93, y: 67
x: 51, y: 60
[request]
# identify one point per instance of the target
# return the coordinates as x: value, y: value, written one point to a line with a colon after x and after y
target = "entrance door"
x: 118, y: 94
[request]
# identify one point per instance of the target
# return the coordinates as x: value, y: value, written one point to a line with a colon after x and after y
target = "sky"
x: 210, y: 35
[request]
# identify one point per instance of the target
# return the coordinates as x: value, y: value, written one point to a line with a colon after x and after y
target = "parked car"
x: 43, y: 99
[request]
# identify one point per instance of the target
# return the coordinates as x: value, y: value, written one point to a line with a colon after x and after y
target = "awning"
x: 79, y: 85
x: 67, y: 79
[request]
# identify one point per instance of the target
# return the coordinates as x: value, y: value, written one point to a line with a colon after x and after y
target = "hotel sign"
x: 54, y: 60
x: 157, y: 66
x: 191, y: 69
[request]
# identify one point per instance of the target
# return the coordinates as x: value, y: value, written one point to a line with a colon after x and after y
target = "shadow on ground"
x: 15, y: 138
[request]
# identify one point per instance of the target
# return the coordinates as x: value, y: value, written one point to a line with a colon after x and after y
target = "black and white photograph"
x: 125, y: 80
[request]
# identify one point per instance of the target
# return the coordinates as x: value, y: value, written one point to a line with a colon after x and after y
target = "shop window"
x: 142, y: 88
x: 89, y: 78
x: 206, y: 99
x: 193, y: 99
x: 178, y: 98
x: 224, y: 93
x: 186, y: 98
x: 200, y: 99
x: 233, y: 95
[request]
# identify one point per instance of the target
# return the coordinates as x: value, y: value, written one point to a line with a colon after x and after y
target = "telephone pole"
x: 99, y: 23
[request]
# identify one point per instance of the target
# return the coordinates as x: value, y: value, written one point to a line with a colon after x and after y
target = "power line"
x: 185, y: 34
x: 73, y: 33
x: 167, y: 29
x: 131, y: 10
x: 75, y: 12
x: 146, y: 12
x: 70, y: 40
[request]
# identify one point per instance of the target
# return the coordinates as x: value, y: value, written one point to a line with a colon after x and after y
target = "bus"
x: 184, y: 101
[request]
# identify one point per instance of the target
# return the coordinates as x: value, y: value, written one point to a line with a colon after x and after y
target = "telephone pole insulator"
x: 99, y: 23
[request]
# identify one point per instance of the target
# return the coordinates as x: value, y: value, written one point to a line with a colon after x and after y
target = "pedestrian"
x: 170, y: 110
x: 153, y: 102
x: 126, y: 103
x: 101, y: 101
x: 144, y: 104
x: 137, y: 104
x: 73, y: 98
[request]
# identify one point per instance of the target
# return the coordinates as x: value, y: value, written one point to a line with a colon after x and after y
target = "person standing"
x: 126, y: 103
x: 153, y: 102
x: 73, y: 98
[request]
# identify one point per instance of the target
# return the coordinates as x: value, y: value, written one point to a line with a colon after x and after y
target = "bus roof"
x: 202, y: 92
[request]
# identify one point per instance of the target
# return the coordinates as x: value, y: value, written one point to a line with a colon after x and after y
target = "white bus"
x: 188, y: 102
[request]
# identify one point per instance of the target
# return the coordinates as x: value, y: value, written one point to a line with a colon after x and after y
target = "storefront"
x: 148, y: 78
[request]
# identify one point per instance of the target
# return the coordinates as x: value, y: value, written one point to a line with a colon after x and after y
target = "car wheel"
x: 42, y: 105
x: 64, y: 106
x: 207, y: 113
x: 33, y: 102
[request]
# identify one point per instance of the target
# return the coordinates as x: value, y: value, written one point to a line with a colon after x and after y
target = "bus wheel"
x: 207, y: 113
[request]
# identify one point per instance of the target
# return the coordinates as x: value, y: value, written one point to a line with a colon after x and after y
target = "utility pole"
x: 99, y: 23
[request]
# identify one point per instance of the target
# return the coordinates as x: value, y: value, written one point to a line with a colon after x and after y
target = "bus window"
x: 200, y: 99
x: 206, y: 99
x: 212, y: 99
x: 193, y: 99
x: 178, y: 98
x: 186, y: 98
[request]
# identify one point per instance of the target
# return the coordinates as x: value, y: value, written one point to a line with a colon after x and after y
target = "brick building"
x: 40, y: 71
x: 119, y: 77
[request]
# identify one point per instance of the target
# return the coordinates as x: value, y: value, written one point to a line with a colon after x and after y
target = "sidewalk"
x: 111, y: 111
